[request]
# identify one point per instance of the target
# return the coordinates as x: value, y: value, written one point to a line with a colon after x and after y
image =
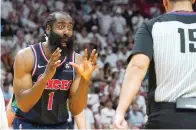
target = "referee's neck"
x: 182, y: 6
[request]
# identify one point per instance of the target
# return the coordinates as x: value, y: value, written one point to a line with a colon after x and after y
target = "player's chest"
x: 62, y: 79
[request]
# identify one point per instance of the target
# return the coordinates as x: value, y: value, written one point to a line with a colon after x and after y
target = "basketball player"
x: 45, y: 78
x: 3, y: 118
x: 167, y: 46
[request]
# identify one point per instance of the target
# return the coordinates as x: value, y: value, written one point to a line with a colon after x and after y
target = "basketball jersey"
x: 175, y: 56
x: 52, y: 105
x: 170, y: 43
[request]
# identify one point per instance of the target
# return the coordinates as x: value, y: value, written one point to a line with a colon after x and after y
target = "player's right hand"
x: 52, y: 64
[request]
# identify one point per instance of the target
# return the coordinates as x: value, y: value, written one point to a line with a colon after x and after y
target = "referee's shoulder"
x: 159, y: 18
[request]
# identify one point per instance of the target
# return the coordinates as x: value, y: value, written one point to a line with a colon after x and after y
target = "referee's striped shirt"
x: 170, y: 43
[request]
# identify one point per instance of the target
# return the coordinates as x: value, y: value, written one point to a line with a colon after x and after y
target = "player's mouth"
x: 64, y: 42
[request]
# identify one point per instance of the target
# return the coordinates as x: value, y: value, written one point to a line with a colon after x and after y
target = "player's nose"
x: 66, y: 31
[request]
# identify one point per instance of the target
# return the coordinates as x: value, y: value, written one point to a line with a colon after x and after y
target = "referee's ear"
x: 193, y: 1
x: 165, y: 4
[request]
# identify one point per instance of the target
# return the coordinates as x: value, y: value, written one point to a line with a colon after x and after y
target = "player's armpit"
x: 24, y: 90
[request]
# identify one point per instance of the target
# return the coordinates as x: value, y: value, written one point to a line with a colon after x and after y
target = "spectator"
x: 82, y: 38
x: 140, y: 100
x: 105, y: 20
x: 89, y: 117
x: 7, y: 93
x: 107, y: 115
x: 123, y: 54
x: 119, y: 22
x: 136, y: 117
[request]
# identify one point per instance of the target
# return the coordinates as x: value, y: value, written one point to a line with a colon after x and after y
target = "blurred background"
x: 107, y: 25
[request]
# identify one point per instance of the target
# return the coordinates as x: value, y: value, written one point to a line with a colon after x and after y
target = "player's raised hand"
x: 52, y: 64
x: 85, y: 69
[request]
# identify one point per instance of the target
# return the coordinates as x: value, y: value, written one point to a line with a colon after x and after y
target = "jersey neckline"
x: 183, y: 12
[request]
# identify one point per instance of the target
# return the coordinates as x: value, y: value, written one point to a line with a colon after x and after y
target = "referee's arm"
x: 140, y: 59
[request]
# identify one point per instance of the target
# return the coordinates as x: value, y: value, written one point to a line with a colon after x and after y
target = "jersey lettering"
x: 192, y: 39
x: 56, y: 84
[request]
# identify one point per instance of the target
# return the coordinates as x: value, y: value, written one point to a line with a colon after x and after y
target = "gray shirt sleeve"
x: 143, y: 43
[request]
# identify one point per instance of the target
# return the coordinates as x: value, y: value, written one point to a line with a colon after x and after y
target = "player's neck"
x: 185, y: 6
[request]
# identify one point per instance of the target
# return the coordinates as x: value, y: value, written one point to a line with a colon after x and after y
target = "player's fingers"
x: 76, y: 66
x: 55, y: 53
x: 56, y: 57
x: 92, y: 69
x: 57, y: 63
x: 95, y: 67
x: 92, y: 55
x: 85, y: 57
x: 94, y: 59
x: 86, y: 64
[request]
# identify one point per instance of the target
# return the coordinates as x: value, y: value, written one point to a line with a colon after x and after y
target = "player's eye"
x: 69, y: 27
x: 61, y: 26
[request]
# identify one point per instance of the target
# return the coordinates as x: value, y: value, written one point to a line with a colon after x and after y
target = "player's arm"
x: 27, y: 94
x: 10, y: 113
x: 80, y: 120
x: 78, y: 97
x: 136, y: 69
x: 78, y: 92
x: 79, y: 89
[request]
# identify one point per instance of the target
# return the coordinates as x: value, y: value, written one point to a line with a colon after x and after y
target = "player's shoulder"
x: 25, y: 52
x: 25, y: 56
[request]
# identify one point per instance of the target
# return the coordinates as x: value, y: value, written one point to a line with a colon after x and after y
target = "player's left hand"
x: 85, y: 69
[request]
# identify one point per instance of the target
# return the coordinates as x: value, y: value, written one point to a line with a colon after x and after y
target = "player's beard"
x: 55, y: 41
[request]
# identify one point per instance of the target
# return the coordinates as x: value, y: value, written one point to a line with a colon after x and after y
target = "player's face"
x: 60, y: 35
x: 64, y: 28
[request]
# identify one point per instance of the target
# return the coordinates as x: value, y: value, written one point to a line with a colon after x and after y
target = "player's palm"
x: 85, y: 69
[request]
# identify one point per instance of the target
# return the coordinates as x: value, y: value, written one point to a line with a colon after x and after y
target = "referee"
x: 165, y: 45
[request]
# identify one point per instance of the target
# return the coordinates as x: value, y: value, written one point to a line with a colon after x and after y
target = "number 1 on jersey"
x: 192, y: 38
x: 50, y: 100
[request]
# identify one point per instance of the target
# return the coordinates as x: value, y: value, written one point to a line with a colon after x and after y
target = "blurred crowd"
x: 107, y: 25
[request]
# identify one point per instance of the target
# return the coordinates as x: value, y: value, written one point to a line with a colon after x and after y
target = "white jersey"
x: 170, y: 43
x: 3, y: 117
x: 175, y: 60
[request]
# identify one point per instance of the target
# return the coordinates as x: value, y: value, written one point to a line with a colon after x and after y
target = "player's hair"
x: 51, y: 18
